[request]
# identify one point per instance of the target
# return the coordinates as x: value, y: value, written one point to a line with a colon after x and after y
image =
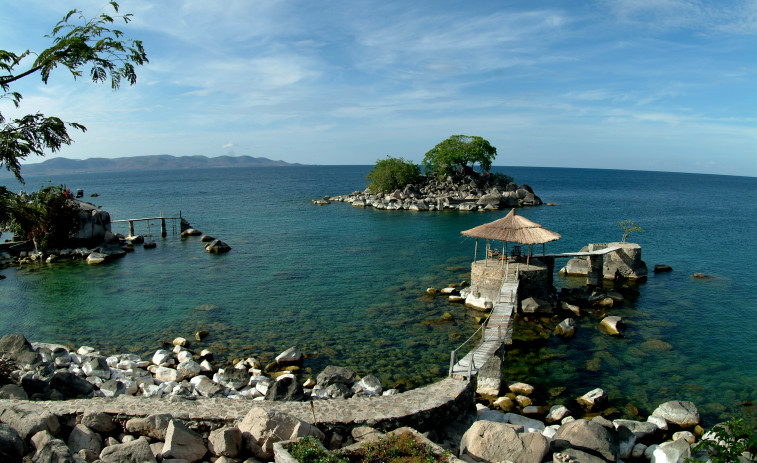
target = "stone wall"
x: 486, y: 279
x: 626, y: 262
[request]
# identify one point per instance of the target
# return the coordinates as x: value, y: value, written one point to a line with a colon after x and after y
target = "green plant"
x: 93, y: 43
x: 392, y: 173
x: 728, y: 443
x: 396, y: 448
x: 47, y: 217
x: 627, y: 226
x: 309, y: 450
x: 459, y: 151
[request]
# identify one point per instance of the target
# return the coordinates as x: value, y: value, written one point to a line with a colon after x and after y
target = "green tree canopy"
x: 392, y: 173
x: 459, y: 151
x: 78, y: 42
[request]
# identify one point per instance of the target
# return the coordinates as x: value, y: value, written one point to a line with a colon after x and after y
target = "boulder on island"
x: 217, y: 247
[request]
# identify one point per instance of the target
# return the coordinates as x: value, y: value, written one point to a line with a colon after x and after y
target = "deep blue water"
x: 348, y: 285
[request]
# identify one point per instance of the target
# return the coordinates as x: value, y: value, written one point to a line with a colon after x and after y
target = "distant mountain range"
x: 57, y: 166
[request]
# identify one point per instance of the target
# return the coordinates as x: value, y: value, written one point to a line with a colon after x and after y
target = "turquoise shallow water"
x: 348, y: 284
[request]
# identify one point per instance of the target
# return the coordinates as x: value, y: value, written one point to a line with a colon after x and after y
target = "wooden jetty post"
x: 131, y: 228
x: 163, y: 227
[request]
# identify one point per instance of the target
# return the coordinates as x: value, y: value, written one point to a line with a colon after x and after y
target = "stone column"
x: 594, y: 275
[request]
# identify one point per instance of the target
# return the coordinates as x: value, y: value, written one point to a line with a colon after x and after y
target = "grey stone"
x: 98, y: 421
x: 232, y: 378
x: 71, y: 386
x: 672, y: 452
x: 679, y: 413
x: 183, y: 443
x: 112, y: 388
x: 285, y: 389
x: 262, y: 428
x: 56, y: 451
x: 226, y: 441
x: 643, y: 430
x: 557, y: 413
x: 334, y: 374
x: 154, y: 426
x: 11, y: 391
x: 490, y: 441
x: 489, y: 379
x: 337, y: 391
x: 12, y: 447
x: 28, y: 423
x: 96, y: 366
x: 205, y: 387
x: 369, y: 385
x: 40, y: 439
x: 136, y: 451
x: 587, y: 436
x: 82, y: 437
x: 291, y: 356
x: 593, y: 399
x: 17, y: 348
x: 189, y: 368
x: 532, y: 305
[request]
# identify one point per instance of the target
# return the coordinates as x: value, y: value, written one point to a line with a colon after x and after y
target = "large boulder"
x: 71, y: 385
x: 18, y: 349
x: 566, y: 328
x: 262, y: 428
x: 333, y: 375
x: 153, y: 426
x: 226, y: 441
x: 493, y: 442
x: 291, y: 356
x: 587, y: 436
x: 672, y: 452
x: 532, y: 305
x: 611, y: 325
x: 82, y: 437
x: 55, y: 451
x: 217, y: 247
x: 368, y: 385
x: 285, y: 389
x: 136, y: 451
x: 679, y: 413
x: 643, y: 430
x: 98, y: 421
x: 183, y: 443
x: 11, y: 445
x: 27, y: 423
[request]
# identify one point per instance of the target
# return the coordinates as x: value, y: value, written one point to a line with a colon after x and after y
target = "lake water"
x: 348, y: 285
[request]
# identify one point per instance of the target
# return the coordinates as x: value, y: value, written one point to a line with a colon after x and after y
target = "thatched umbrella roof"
x: 514, y: 229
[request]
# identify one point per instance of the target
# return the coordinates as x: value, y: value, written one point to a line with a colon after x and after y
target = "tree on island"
x: 91, y: 43
x: 392, y: 173
x: 457, y: 152
x: 628, y: 227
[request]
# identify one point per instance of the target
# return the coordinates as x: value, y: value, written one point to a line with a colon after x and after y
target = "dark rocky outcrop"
x: 464, y: 191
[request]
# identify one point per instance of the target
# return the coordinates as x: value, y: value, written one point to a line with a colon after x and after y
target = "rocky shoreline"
x: 462, y: 192
x: 509, y: 427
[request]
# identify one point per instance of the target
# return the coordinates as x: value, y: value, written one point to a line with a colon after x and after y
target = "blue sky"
x: 666, y: 85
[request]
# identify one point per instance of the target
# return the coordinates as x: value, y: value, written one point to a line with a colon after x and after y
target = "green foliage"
x: 75, y: 46
x: 309, y: 450
x: 459, y: 151
x: 627, y: 226
x: 731, y: 440
x: 392, y: 173
x: 48, y: 216
x: 396, y: 448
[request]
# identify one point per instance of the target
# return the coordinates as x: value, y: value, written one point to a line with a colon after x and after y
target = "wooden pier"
x: 496, y: 332
x: 163, y: 230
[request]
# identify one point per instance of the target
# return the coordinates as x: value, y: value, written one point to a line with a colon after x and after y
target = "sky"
x: 664, y: 85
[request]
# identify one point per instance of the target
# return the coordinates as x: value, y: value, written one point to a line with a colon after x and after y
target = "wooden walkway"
x: 497, y: 330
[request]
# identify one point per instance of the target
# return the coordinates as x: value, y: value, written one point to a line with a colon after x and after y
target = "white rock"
x: 557, y: 413
x: 529, y: 424
x: 183, y: 443
x: 206, y: 366
x: 685, y: 435
x: 161, y: 356
x: 593, y: 399
x: 550, y: 431
x: 671, y: 452
x: 112, y: 361
x: 168, y: 374
x: 151, y: 390
x: 180, y: 342
x: 521, y: 388
x: 183, y: 356
x: 478, y: 303
x: 189, y: 368
x: 649, y: 451
x: 289, y: 356
x: 481, y: 409
x: 659, y: 422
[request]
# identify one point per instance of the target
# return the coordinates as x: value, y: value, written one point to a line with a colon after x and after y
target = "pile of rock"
x: 52, y: 372
x: 45, y: 437
x: 212, y: 245
x: 499, y: 434
x: 463, y: 192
